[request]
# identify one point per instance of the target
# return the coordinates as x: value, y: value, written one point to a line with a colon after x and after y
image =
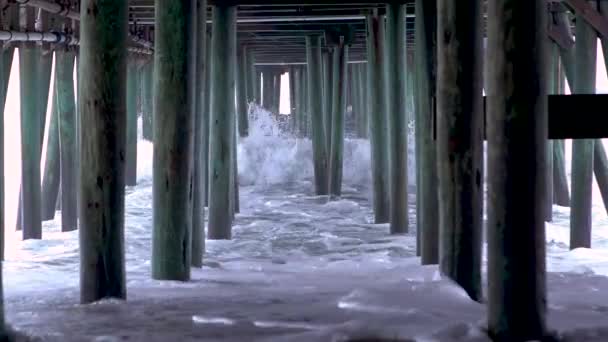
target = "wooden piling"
x: 223, y: 49
x: 175, y: 78
x: 517, y: 133
x: 52, y: 170
x: 251, y: 78
x: 29, y: 75
x: 66, y: 113
x: 206, y: 123
x: 131, y: 153
x: 242, y: 106
x: 102, y: 140
x: 582, y: 149
x: 397, y: 117
x: 315, y: 112
x: 198, y: 202
x: 561, y: 193
x: 460, y: 142
x: 147, y: 82
x: 292, y: 98
x: 425, y: 59
x: 328, y: 76
x: 267, y: 80
x: 6, y: 56
x: 337, y: 126
x: 378, y: 125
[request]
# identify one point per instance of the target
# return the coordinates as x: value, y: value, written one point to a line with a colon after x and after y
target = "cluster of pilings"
x: 194, y: 77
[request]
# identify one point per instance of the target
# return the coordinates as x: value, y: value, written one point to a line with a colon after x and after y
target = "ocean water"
x: 299, y: 267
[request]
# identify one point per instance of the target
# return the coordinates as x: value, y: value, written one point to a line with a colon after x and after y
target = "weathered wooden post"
x: 174, y: 106
x: 364, y: 99
x: 292, y: 98
x: 356, y: 98
x: 552, y: 88
x: 29, y: 75
x: 425, y: 59
x: 517, y: 135
x: 131, y: 153
x: 582, y: 149
x: 299, y: 99
x: 315, y: 112
x: 600, y: 161
x: 6, y: 56
x: 267, y: 80
x: 223, y: 47
x: 251, y: 78
x: 103, y: 123
x: 328, y: 75
x: 304, y: 113
x: 66, y: 110
x: 276, y: 92
x: 147, y: 82
x: 51, y: 176
x: 397, y: 117
x: 460, y: 142
x: 206, y: 122
x: 337, y: 125
x: 242, y: 106
x: 377, y: 117
x: 198, y: 201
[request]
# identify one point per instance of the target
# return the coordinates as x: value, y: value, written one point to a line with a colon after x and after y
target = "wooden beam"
x: 590, y: 14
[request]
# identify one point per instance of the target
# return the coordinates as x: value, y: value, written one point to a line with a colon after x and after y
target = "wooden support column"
x: 364, y: 101
x: 174, y: 106
x: 131, y: 153
x: 223, y: 47
x: 147, y: 82
x: 553, y: 89
x: 51, y: 176
x: 600, y: 162
x: 103, y: 122
x: 276, y: 92
x: 299, y: 99
x: 582, y: 149
x: 258, y: 85
x: 517, y: 133
x: 267, y: 80
x: 355, y: 97
x: 315, y: 112
x: 206, y: 122
x: 241, y: 93
x: 377, y: 117
x: 460, y: 142
x: 425, y: 59
x: 397, y: 117
x: 66, y: 113
x: 251, y: 77
x: 337, y: 126
x: 562, y: 195
x: 31, y: 142
x: 198, y: 202
x: 328, y: 75
x: 306, y: 121
x: 292, y: 97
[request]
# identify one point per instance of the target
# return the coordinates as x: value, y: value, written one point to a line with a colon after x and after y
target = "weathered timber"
x: 223, y: 49
x: 377, y: 117
x: 46, y: 67
x: 299, y: 98
x: 337, y: 126
x: 292, y: 98
x: 425, y: 61
x: 147, y: 82
x: 315, y: 112
x: 561, y: 194
x: 460, y: 142
x: 52, y: 168
x: 267, y: 80
x: 174, y: 105
x: 29, y: 75
x: 241, y: 93
x: 206, y: 122
x: 328, y: 76
x: 102, y: 139
x: 198, y: 201
x: 131, y: 153
x: 66, y: 113
x: 364, y: 100
x: 251, y: 78
x: 582, y: 149
x: 4, y: 79
x: 517, y: 133
x: 397, y: 117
